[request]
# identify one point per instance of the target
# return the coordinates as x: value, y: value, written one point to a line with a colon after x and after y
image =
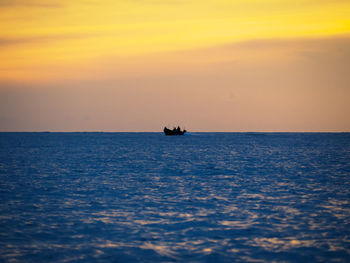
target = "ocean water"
x: 202, y: 197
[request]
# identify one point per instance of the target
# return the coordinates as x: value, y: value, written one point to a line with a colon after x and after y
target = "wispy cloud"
x: 30, y: 3
x: 8, y: 42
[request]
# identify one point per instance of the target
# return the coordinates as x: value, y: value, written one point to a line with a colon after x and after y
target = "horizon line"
x: 162, y: 132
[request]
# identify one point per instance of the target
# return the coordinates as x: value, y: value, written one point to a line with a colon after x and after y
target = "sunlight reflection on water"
x: 125, y: 197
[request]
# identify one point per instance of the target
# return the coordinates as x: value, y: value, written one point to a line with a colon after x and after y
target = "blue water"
x: 146, y: 197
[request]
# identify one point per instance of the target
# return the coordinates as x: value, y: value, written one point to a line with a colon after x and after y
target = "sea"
x: 201, y: 197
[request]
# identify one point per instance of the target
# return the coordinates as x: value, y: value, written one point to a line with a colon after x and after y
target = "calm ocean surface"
x: 203, y: 197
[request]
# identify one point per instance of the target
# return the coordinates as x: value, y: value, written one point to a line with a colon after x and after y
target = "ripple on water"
x: 149, y: 198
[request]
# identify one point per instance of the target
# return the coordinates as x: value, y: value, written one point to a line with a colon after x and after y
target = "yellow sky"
x: 258, y: 64
x: 41, y: 37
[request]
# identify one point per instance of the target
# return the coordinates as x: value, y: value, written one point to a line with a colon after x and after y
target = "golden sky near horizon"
x: 131, y: 49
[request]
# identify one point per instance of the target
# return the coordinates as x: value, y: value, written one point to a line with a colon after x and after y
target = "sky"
x: 208, y: 65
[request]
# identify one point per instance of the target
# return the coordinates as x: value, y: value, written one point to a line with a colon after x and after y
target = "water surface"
x: 146, y: 197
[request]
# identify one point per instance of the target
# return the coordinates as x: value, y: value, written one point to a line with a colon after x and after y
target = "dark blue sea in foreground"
x: 146, y: 197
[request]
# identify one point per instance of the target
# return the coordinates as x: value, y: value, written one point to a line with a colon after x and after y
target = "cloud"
x: 30, y: 3
x: 332, y: 50
x: 7, y: 42
x: 326, y: 42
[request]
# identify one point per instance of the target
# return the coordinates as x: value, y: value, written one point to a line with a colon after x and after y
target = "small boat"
x: 175, y: 131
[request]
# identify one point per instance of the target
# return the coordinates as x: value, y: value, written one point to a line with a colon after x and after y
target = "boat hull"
x: 169, y: 132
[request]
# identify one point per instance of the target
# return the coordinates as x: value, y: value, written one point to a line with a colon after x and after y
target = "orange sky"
x: 137, y: 65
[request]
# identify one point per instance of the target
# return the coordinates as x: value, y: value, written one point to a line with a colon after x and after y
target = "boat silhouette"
x: 174, y: 131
